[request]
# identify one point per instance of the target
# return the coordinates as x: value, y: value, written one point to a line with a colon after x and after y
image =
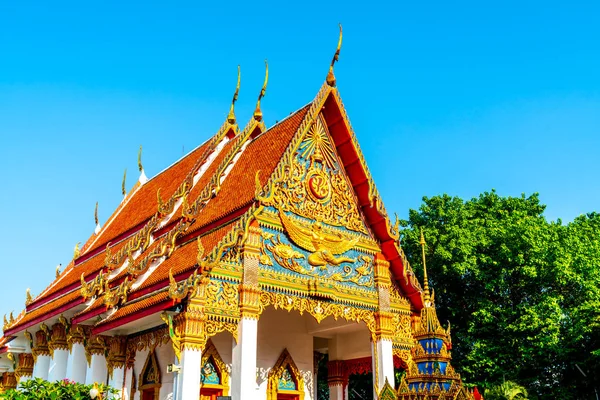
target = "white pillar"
x: 189, y: 379
x: 118, y: 378
x: 243, y: 371
x: 127, y: 384
x: 77, y: 363
x: 97, y: 371
x: 383, y: 364
x: 58, y: 365
x: 42, y: 364
x: 336, y: 392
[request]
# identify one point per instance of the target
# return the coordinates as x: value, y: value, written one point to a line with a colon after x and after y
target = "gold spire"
x: 231, y: 116
x: 123, y: 183
x: 330, y: 76
x: 96, y: 214
x: 140, y: 167
x: 258, y: 113
x: 76, y: 251
x: 425, y: 280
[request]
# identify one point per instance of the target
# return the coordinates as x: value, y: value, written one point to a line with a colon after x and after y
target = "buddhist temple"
x: 229, y: 273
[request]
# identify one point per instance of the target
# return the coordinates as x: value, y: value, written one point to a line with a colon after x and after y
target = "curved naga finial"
x: 258, y: 113
x: 123, y: 183
x: 140, y: 167
x: 231, y: 116
x: 76, y: 251
x: 330, y: 76
x: 96, y: 214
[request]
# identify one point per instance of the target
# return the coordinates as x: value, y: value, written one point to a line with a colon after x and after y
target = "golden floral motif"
x: 317, y: 308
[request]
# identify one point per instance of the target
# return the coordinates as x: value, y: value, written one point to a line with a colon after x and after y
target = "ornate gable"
x: 311, y: 223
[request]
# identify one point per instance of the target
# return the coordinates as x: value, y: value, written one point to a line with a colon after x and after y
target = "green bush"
x: 39, y: 389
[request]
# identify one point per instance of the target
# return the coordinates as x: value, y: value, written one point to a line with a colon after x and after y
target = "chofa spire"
x: 427, y: 296
x: 330, y: 76
x: 231, y: 115
x: 143, y: 179
x: 257, y: 112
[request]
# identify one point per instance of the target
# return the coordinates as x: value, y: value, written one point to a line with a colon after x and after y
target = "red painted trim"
x: 216, y: 224
x: 163, y: 305
x: 88, y: 314
x: 349, y: 154
x: 44, y: 317
x: 99, y: 248
x: 159, y: 285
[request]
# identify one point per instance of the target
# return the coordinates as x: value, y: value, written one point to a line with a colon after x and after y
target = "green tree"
x: 521, y: 292
x: 508, y: 390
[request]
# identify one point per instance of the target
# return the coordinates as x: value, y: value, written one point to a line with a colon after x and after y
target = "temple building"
x: 230, y: 272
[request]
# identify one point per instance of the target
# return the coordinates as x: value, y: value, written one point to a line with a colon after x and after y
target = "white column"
x: 128, y: 383
x: 118, y: 378
x: 336, y: 392
x: 42, y: 364
x: 97, y: 372
x: 58, y: 365
x: 189, y: 379
x: 22, y: 380
x: 243, y: 371
x: 383, y: 364
x: 77, y: 363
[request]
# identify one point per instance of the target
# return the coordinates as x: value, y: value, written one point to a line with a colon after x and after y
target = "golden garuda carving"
x: 323, y: 246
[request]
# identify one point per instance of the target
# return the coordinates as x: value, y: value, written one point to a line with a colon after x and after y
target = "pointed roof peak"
x: 257, y: 112
x: 427, y: 300
x: 231, y: 115
x: 330, y: 76
x: 143, y: 178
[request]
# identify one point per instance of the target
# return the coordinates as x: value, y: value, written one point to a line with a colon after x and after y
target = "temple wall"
x: 278, y: 330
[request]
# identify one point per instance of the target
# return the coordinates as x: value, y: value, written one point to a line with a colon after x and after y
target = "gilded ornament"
x: 231, y: 115
x: 285, y: 368
x: 28, y: 297
x: 118, y: 295
x: 330, y: 76
x: 323, y: 246
x: 140, y: 167
x: 123, y: 191
x: 175, y: 338
x: 76, y: 251
x: 257, y: 112
x: 95, y: 287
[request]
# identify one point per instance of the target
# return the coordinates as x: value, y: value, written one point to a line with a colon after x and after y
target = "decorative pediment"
x: 150, y: 375
x: 214, y: 371
x: 285, y: 377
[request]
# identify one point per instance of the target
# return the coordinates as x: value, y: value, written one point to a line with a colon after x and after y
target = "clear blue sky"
x: 445, y: 97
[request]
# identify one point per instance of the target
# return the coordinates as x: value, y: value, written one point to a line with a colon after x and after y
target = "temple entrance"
x: 214, y: 378
x: 149, y: 382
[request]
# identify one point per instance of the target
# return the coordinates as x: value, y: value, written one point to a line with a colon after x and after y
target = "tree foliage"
x: 522, y: 293
x: 39, y: 389
x: 508, y: 390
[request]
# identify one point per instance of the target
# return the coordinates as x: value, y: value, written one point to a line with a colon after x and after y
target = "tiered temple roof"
x: 190, y: 214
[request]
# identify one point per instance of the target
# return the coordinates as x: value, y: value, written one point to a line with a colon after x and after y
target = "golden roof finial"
x: 123, y: 183
x: 96, y: 214
x: 231, y: 116
x: 140, y: 167
x: 76, y: 250
x: 425, y: 280
x: 28, y: 297
x: 258, y: 113
x: 330, y: 76
x: 58, y: 270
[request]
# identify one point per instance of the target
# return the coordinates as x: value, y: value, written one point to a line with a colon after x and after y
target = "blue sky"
x: 452, y: 98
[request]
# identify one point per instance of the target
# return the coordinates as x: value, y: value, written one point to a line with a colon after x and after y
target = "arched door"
x: 285, y: 381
